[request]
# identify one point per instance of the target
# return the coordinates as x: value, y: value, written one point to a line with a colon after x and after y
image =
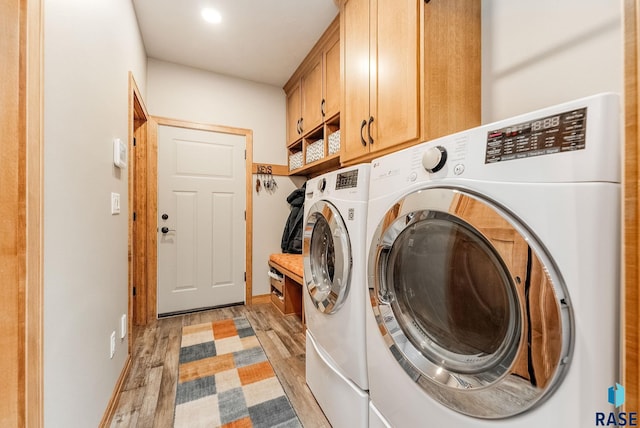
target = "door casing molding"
x: 21, y: 209
x: 146, y: 294
x: 138, y: 198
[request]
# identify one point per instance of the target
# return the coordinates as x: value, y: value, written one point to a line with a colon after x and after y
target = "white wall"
x: 184, y: 93
x: 89, y: 48
x: 270, y: 212
x: 540, y: 53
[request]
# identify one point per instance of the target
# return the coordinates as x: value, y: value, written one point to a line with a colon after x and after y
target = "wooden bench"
x: 286, y: 275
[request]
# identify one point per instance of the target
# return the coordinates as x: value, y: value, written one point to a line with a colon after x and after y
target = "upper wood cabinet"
x: 304, y: 101
x: 381, y: 64
x: 313, y: 105
x: 294, y: 109
x: 311, y: 90
x: 411, y: 73
x: 331, y: 79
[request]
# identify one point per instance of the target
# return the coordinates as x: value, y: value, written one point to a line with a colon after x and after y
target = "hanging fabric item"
x: 292, y: 235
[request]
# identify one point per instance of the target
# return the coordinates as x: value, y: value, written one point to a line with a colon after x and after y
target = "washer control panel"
x: 347, y: 180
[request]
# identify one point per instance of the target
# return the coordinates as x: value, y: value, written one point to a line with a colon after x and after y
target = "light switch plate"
x: 123, y: 326
x: 119, y: 153
x: 112, y: 344
x: 115, y: 203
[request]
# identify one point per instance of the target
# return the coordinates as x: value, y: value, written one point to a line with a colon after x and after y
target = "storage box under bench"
x: 285, y: 274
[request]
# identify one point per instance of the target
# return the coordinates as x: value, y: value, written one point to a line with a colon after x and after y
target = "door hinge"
x: 134, y: 141
x: 134, y: 291
x: 245, y: 154
x: 134, y: 216
x: 245, y: 277
x: 245, y: 215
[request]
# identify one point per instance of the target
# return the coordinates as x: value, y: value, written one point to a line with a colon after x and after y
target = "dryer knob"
x: 434, y: 158
x: 322, y: 184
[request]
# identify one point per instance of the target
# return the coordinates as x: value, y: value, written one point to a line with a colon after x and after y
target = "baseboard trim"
x: 113, y: 402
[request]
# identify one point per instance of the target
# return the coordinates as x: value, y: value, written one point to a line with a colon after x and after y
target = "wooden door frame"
x: 138, y: 230
x: 21, y: 229
x: 631, y: 234
x: 146, y: 292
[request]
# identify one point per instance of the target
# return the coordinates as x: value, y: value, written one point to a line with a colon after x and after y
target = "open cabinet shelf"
x: 314, y: 154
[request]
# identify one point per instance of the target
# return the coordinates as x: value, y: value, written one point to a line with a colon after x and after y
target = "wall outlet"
x: 112, y: 347
x: 123, y: 326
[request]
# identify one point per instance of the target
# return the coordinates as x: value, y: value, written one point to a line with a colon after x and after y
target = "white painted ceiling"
x: 259, y: 40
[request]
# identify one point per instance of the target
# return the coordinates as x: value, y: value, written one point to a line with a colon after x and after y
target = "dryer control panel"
x: 544, y: 136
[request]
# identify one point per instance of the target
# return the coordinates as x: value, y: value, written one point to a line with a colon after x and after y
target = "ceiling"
x: 258, y: 40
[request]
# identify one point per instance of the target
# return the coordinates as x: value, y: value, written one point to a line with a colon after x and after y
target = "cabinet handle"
x: 369, y: 130
x: 322, y: 108
x: 362, y: 125
x: 301, y: 125
x: 298, y: 128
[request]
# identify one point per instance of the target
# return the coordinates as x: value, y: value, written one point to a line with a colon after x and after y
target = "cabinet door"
x: 354, y: 24
x: 395, y: 97
x: 451, y: 74
x: 293, y: 114
x: 311, y: 84
x: 332, y: 80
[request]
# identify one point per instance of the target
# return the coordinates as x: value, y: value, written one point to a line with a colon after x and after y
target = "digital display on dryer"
x: 545, y: 136
x: 347, y: 180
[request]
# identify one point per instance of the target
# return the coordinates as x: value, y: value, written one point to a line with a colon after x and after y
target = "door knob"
x: 166, y: 230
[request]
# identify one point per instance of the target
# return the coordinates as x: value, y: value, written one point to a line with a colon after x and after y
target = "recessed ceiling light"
x: 211, y: 15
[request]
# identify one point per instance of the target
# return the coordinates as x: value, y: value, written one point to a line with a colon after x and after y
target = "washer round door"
x: 469, y: 303
x: 327, y: 257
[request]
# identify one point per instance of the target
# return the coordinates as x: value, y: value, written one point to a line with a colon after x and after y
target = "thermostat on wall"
x: 119, y: 153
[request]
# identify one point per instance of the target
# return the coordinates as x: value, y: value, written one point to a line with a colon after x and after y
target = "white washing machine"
x: 376, y: 420
x: 335, y: 290
x: 494, y: 273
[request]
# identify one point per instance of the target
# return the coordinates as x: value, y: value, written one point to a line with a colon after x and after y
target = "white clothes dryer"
x: 494, y: 273
x: 335, y: 290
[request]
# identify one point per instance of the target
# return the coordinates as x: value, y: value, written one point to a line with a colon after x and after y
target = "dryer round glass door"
x: 327, y: 257
x: 468, y: 300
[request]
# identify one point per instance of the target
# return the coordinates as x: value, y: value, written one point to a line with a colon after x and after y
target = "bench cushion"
x: 290, y: 262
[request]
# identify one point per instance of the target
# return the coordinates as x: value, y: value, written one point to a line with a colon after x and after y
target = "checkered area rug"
x: 226, y: 380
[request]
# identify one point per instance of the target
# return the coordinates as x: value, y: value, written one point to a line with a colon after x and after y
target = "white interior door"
x: 201, y: 219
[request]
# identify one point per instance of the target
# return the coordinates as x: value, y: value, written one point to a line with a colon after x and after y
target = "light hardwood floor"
x: 148, y: 395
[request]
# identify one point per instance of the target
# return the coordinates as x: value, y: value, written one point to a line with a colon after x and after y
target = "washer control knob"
x: 322, y: 184
x: 434, y: 158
